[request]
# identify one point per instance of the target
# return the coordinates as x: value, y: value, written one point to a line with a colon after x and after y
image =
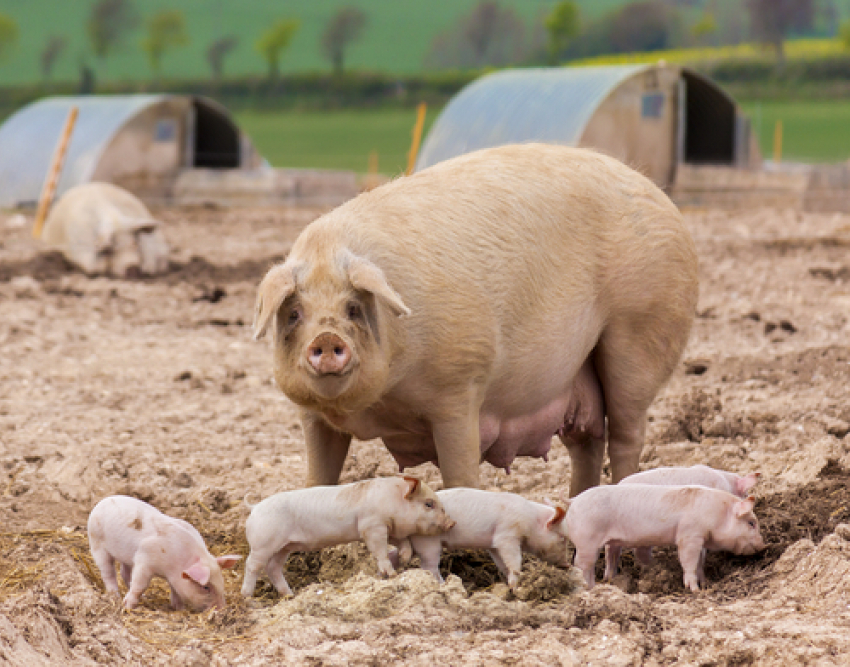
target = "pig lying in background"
x: 694, y: 518
x: 103, y: 229
x: 702, y: 475
x: 475, y: 309
x: 377, y: 511
x: 147, y: 543
x: 504, y: 523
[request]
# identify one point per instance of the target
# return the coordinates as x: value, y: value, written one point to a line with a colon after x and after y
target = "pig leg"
x: 375, y: 538
x: 585, y: 560
x: 690, y: 554
x: 127, y: 574
x: 458, y: 442
x: 106, y: 564
x: 612, y: 561
x: 253, y: 567
x: 701, y: 568
x: 429, y: 551
x: 635, y: 356
x: 176, y: 602
x: 274, y: 568
x: 326, y: 450
x: 508, y: 558
x: 586, y: 454
x: 142, y: 576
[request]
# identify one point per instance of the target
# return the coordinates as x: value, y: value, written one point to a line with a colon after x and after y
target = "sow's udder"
x: 580, y: 411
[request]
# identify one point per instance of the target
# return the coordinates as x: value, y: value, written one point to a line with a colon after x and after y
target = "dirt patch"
x: 154, y: 388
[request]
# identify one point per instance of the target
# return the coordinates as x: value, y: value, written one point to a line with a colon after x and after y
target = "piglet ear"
x: 413, y: 484
x: 366, y: 276
x: 227, y: 562
x: 278, y: 284
x: 199, y: 573
x: 559, y: 515
x: 744, y: 507
x: 747, y: 482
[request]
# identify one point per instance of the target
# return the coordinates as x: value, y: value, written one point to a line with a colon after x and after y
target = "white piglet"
x: 148, y: 543
x: 694, y: 518
x: 703, y: 475
x: 504, y: 523
x: 377, y: 511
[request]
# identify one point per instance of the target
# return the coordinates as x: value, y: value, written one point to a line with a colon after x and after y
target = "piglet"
x: 504, y: 523
x: 692, y: 517
x: 738, y: 485
x: 147, y: 543
x: 377, y: 511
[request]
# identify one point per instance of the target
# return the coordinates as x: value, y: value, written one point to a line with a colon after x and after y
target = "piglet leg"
x: 142, y: 576
x: 690, y: 550
x: 375, y: 538
x: 274, y: 568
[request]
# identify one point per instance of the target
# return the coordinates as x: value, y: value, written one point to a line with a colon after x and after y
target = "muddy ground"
x: 155, y: 388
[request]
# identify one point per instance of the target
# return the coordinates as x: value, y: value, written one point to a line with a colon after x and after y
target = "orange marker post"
x: 53, y: 173
x: 417, y: 137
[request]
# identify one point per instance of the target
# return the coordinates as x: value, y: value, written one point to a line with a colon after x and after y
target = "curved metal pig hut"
x: 140, y: 142
x: 652, y: 117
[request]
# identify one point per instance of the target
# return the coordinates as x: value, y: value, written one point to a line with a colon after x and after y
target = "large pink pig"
x: 473, y: 310
x: 378, y: 511
x: 694, y: 518
x: 147, y: 543
x: 703, y: 475
x: 504, y: 523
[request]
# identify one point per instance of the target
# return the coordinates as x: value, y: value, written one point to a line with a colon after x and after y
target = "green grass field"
x: 815, y: 131
x: 812, y: 131
x: 334, y: 139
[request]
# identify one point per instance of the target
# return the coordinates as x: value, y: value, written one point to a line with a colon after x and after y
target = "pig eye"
x: 752, y: 524
x: 294, y: 316
x: 430, y: 504
x: 354, y: 311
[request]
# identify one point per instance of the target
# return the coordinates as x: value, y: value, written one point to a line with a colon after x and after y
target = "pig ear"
x: 744, y: 507
x: 413, y: 485
x: 364, y: 275
x: 198, y: 573
x: 227, y: 562
x: 278, y: 284
x: 559, y: 515
x: 744, y: 484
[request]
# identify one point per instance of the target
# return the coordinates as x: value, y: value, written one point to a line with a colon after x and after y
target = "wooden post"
x: 53, y: 173
x: 777, y: 142
x: 417, y: 137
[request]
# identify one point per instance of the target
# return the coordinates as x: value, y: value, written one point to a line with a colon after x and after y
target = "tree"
x: 772, y: 20
x: 53, y: 48
x: 488, y: 35
x: 274, y: 41
x: 343, y: 28
x: 217, y: 51
x: 8, y: 35
x: 165, y: 30
x: 561, y: 25
x: 109, y: 24
x: 644, y: 26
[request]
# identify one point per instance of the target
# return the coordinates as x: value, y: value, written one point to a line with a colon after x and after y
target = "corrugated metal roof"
x: 29, y: 137
x: 513, y: 106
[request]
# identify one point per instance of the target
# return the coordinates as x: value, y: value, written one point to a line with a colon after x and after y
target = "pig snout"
x: 329, y: 354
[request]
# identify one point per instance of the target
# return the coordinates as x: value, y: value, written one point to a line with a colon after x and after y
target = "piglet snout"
x: 329, y: 354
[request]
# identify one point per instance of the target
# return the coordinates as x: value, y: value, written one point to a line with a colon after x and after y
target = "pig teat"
x: 329, y: 354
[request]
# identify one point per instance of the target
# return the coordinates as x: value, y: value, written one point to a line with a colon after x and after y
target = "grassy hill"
x: 396, y: 38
